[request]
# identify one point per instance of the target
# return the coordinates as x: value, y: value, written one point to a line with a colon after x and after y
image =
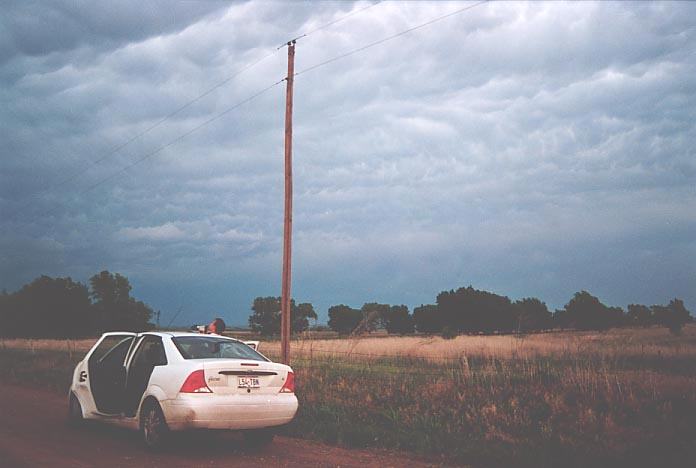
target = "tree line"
x: 265, y: 316
x: 473, y: 311
x: 62, y: 308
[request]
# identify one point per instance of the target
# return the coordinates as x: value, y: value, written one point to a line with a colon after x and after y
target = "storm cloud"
x: 532, y: 149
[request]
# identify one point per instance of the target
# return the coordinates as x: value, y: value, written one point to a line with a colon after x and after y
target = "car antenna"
x: 175, y: 316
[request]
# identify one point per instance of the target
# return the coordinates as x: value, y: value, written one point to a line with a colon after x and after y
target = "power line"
x: 389, y: 38
x: 331, y: 23
x: 198, y: 98
x: 173, y: 141
x: 227, y: 80
x: 188, y: 104
x: 183, y: 107
x: 360, y: 49
x: 181, y: 137
x: 175, y: 316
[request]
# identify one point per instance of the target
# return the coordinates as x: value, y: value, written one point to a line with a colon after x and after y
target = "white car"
x: 167, y: 381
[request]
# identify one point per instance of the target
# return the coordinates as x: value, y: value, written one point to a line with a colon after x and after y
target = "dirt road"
x: 33, y: 433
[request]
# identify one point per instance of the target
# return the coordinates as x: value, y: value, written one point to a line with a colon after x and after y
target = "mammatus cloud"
x: 534, y: 149
x: 164, y: 232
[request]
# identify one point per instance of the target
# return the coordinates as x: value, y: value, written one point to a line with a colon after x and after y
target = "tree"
x: 531, y: 315
x: 61, y: 308
x: 561, y: 319
x: 300, y: 316
x: 47, y: 308
x: 472, y: 311
x: 344, y: 319
x: 265, y: 317
x: 6, y: 328
x: 397, y: 320
x: 586, y: 312
x: 673, y: 316
x: 639, y: 315
x: 373, y: 315
x: 109, y: 288
x: 616, y: 317
x: 115, y: 309
x: 427, y: 319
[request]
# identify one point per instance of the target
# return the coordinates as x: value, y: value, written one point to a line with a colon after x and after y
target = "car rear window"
x: 210, y: 347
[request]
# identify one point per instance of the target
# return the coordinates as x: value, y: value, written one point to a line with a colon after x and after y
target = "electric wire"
x: 161, y: 148
x: 174, y: 317
x: 181, y: 108
x: 389, y: 38
x: 222, y: 83
x: 330, y: 23
x: 180, y: 137
x: 142, y: 133
x: 188, y: 104
x: 201, y: 96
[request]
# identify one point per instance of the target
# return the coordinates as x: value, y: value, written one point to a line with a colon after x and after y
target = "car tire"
x: 75, y: 417
x: 257, y: 438
x: 153, y: 427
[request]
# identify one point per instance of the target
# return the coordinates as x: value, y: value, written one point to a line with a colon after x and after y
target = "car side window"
x: 112, y: 350
x: 211, y: 347
x: 149, y: 353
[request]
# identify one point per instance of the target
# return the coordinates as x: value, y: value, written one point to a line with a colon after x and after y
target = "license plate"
x: 248, y: 382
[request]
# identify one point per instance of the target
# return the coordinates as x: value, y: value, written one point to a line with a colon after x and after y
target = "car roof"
x: 174, y: 334
x: 179, y: 333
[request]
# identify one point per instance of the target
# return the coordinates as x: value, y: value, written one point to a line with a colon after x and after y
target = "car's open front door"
x: 106, y: 372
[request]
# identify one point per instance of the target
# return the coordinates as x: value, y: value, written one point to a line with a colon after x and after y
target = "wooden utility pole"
x: 287, y: 226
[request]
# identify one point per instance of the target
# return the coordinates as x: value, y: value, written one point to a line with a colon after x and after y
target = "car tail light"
x: 289, y: 385
x: 195, y: 383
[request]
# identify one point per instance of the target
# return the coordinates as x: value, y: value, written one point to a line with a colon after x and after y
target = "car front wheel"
x: 153, y: 426
x: 75, y: 417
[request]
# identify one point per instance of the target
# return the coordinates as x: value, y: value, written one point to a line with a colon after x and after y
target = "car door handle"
x: 83, y: 376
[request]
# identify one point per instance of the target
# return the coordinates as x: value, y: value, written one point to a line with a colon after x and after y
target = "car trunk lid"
x: 234, y: 376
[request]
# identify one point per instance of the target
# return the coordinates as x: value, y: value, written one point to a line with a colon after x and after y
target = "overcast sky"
x: 527, y: 149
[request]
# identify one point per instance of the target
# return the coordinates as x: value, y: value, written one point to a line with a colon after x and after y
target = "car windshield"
x: 210, y: 347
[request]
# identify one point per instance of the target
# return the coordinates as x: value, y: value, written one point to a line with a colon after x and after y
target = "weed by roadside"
x: 590, y: 404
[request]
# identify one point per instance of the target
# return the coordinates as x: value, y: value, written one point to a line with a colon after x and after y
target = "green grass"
x: 546, y: 411
x: 42, y: 368
x: 604, y: 408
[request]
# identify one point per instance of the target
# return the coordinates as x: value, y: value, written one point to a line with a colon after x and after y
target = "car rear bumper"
x: 210, y: 411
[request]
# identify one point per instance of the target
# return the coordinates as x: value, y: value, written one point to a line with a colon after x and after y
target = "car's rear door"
x: 148, y: 354
x: 106, y: 372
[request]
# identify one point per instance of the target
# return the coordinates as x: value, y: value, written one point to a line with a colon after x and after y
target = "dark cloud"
x: 39, y: 29
x: 533, y: 149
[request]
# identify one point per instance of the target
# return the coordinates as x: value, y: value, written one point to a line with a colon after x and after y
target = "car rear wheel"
x: 259, y: 437
x: 153, y: 427
x: 75, y: 417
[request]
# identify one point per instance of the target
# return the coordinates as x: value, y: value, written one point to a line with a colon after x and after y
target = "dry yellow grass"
x: 81, y: 345
x: 617, y: 342
x: 624, y: 397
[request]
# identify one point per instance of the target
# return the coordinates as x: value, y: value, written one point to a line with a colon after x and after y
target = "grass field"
x: 625, y: 397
